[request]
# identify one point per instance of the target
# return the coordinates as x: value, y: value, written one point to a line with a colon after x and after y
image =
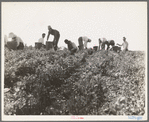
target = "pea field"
x: 47, y: 82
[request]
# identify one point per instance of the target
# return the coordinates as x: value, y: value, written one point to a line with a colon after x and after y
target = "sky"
x: 110, y: 20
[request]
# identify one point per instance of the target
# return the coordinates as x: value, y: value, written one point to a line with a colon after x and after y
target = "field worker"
x: 124, y: 44
x: 104, y: 42
x: 71, y: 46
x: 110, y: 42
x: 84, y: 40
x: 20, y: 44
x: 56, y: 35
x: 41, y: 40
x: 80, y: 41
x: 100, y: 43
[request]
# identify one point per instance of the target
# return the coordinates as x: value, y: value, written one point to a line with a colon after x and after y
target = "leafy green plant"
x: 57, y: 83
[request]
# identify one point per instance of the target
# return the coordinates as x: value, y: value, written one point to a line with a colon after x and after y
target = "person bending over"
x: 71, y: 46
x: 110, y: 42
x: 56, y: 35
x: 104, y: 42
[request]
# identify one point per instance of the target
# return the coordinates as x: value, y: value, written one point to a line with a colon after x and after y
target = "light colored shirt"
x: 41, y: 40
x: 104, y: 39
x: 85, y: 39
x: 18, y: 40
x: 15, y: 38
x: 125, y: 45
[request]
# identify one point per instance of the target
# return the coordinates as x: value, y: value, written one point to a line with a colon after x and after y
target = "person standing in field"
x: 56, y: 35
x: 124, y: 44
x: 41, y: 40
x: 71, y: 46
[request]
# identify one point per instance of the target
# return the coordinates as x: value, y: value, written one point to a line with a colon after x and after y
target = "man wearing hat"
x: 15, y: 38
x: 125, y: 45
x: 56, y: 35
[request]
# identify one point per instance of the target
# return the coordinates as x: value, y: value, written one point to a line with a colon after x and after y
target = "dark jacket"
x: 71, y: 45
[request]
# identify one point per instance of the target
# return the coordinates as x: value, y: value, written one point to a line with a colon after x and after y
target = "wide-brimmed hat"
x: 11, y: 35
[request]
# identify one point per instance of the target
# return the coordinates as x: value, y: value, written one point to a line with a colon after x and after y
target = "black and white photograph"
x: 74, y: 61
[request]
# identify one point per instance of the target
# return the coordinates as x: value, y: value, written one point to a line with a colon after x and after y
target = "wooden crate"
x: 38, y: 45
x: 49, y: 45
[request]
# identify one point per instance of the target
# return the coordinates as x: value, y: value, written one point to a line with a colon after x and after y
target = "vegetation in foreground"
x: 40, y: 82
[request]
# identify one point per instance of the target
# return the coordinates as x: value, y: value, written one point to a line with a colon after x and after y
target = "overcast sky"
x: 111, y: 20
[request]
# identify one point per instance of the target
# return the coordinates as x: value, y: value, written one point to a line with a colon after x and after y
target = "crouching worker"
x: 86, y: 40
x: 71, y: 46
x: 20, y: 44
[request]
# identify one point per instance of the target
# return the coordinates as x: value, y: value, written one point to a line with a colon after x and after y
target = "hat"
x: 11, y: 35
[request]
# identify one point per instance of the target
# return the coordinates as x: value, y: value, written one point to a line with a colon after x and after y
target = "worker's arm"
x: 119, y: 44
x: 48, y: 36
